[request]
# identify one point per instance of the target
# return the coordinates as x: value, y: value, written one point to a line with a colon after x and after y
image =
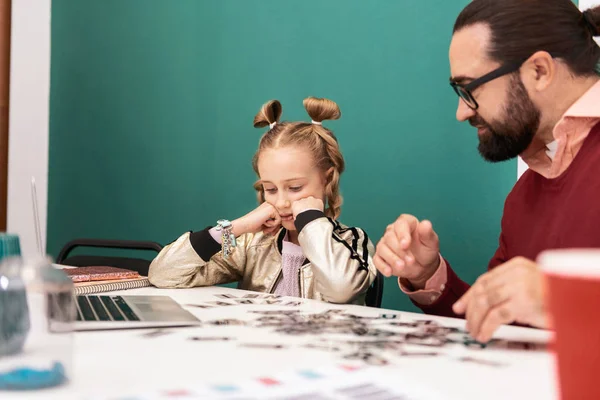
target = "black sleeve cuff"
x: 204, y: 244
x: 307, y: 216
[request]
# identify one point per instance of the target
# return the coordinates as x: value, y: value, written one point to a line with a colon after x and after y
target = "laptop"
x: 97, y: 312
x: 106, y: 311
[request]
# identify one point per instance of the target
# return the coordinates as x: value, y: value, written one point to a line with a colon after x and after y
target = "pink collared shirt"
x: 550, y: 162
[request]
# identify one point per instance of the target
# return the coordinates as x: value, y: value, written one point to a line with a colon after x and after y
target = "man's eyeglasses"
x: 465, y: 91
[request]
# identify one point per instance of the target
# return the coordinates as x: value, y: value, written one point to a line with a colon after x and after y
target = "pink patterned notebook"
x: 99, y: 273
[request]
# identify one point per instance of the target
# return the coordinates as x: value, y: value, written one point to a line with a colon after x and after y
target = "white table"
x: 117, y: 364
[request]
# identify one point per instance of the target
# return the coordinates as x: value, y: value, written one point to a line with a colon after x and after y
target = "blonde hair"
x: 318, y: 140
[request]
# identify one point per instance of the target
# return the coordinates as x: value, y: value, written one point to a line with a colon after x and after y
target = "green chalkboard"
x: 152, y: 104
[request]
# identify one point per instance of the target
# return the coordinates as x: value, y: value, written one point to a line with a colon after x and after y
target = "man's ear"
x: 539, y: 70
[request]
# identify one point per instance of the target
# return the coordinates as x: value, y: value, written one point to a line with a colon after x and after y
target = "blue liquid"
x: 27, y: 378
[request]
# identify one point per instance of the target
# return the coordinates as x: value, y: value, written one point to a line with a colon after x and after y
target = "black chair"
x: 139, y: 265
x: 375, y: 292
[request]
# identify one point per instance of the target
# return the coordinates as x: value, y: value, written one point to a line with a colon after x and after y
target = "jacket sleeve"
x: 195, y: 259
x: 341, y: 257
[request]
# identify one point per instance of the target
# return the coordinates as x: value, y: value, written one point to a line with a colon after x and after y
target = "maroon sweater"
x: 541, y: 214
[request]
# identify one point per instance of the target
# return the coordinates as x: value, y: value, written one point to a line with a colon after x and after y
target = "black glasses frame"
x: 465, y: 91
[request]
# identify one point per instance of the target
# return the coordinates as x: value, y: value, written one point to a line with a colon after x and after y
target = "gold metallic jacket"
x: 338, y: 267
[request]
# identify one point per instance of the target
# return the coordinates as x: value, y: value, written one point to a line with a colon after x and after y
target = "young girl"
x: 292, y: 244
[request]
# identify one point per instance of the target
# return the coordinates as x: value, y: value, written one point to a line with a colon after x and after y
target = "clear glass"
x: 37, y: 312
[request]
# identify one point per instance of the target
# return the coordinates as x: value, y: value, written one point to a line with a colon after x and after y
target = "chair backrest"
x: 139, y: 265
x: 375, y: 292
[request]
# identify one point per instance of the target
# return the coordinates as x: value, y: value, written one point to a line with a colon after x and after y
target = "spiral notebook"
x: 82, y: 288
x: 101, y: 286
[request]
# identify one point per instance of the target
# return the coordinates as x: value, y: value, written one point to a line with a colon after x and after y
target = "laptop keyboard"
x: 104, y: 308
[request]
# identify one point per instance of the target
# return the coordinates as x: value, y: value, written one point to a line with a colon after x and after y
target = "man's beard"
x: 505, y: 140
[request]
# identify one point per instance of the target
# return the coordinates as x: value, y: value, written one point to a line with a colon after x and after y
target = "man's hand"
x: 511, y: 292
x: 409, y: 249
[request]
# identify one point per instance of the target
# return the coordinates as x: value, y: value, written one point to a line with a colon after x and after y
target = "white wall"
x: 28, y: 118
x: 585, y: 4
x: 521, y: 167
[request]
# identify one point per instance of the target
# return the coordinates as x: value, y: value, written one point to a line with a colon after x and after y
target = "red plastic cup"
x: 573, y: 301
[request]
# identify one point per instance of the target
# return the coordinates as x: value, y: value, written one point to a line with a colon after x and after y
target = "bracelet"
x: 228, y: 242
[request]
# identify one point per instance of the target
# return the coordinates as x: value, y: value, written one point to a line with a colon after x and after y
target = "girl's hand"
x: 308, y: 203
x: 263, y: 218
